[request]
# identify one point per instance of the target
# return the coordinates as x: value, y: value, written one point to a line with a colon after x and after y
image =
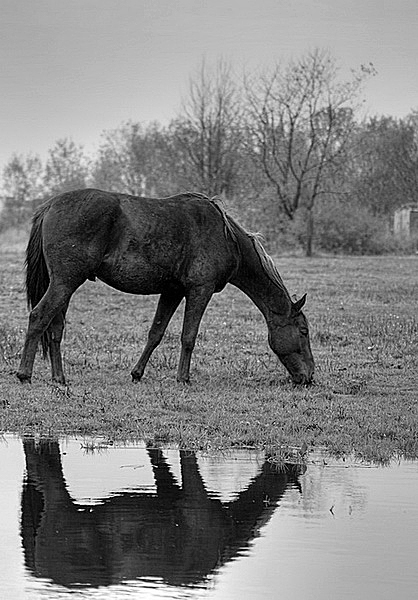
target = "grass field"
x: 364, y: 334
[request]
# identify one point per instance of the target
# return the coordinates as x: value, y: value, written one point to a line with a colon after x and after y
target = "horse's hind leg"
x: 55, y: 331
x: 166, y: 308
x: 46, y: 312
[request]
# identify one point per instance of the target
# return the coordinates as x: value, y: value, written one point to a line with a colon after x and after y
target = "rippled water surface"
x: 130, y: 522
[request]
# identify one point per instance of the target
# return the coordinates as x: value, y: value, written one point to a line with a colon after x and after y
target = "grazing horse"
x: 184, y: 246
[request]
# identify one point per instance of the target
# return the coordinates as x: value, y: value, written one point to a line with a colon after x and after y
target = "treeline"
x: 287, y: 148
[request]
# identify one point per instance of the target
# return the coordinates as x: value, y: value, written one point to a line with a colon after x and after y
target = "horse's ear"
x: 299, y: 304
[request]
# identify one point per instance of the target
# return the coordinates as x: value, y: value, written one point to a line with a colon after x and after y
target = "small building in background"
x: 405, y: 222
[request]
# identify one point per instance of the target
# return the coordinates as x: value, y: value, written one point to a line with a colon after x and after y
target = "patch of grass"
x: 364, y: 332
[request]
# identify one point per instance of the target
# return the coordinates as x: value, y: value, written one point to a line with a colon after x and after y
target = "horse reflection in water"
x: 179, y: 535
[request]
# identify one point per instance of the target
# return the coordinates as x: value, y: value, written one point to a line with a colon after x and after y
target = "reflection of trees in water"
x: 329, y: 487
x: 179, y: 534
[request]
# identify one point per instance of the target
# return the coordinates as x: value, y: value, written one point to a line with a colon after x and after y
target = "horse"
x: 183, y: 246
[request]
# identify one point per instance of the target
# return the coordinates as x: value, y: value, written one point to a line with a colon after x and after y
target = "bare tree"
x: 299, y: 122
x: 208, y: 130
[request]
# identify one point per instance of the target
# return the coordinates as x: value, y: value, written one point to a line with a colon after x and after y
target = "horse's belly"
x: 134, y: 277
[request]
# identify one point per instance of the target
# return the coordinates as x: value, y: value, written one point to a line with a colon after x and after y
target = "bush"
x: 352, y: 229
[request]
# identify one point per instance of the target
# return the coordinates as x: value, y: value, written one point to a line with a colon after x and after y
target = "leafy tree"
x: 385, y: 169
x: 136, y: 159
x: 22, y: 188
x: 67, y: 167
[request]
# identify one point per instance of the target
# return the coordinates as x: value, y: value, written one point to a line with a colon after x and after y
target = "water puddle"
x: 89, y: 521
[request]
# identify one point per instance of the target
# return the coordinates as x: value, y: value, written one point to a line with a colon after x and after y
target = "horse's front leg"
x: 166, y: 308
x: 197, y: 300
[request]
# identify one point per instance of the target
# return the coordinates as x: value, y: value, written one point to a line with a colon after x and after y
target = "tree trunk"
x: 309, y: 231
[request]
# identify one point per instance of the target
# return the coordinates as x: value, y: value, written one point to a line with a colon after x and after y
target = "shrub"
x: 351, y: 229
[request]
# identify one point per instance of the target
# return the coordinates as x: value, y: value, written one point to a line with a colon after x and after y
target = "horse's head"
x: 289, y: 339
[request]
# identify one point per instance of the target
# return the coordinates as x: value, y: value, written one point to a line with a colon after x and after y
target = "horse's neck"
x: 253, y: 280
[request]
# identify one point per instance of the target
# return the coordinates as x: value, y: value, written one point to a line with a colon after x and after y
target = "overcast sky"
x: 73, y: 68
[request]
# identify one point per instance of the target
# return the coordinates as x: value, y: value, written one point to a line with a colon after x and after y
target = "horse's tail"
x: 37, y: 277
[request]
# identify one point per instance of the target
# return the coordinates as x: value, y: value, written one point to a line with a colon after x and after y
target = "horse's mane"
x: 231, y: 227
x: 266, y: 261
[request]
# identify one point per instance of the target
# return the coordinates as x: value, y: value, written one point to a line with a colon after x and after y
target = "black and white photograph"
x: 208, y: 299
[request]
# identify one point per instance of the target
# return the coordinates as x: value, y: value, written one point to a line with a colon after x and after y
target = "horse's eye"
x: 304, y: 330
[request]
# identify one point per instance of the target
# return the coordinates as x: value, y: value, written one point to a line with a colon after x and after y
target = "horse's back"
x: 179, y: 240
x: 137, y: 244
x: 80, y: 212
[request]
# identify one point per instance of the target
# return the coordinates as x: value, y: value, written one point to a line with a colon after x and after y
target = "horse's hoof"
x: 23, y: 378
x: 136, y: 378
